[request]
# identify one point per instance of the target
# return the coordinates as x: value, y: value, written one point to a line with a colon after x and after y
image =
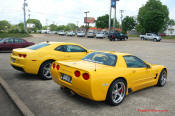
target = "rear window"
x: 38, y: 46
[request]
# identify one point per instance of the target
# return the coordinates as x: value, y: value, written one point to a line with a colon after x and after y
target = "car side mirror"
x: 4, y: 42
x: 148, y: 66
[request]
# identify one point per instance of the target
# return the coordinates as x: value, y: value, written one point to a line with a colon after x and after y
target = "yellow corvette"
x: 37, y: 59
x: 109, y: 76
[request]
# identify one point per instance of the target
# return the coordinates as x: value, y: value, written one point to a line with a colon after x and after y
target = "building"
x: 170, y: 30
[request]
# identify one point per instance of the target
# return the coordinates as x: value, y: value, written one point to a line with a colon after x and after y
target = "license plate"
x: 66, y: 78
x: 13, y: 60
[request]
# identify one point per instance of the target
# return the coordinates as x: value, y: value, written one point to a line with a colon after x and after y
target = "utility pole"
x: 29, y: 14
x: 121, y: 11
x: 87, y: 24
x: 24, y: 8
x: 77, y: 25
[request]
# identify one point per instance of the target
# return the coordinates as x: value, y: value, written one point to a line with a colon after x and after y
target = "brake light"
x: 85, y: 76
x: 53, y: 65
x: 58, y: 67
x: 77, y: 73
x: 22, y: 55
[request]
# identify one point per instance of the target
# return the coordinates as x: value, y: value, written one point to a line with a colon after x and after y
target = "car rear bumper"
x: 24, y: 65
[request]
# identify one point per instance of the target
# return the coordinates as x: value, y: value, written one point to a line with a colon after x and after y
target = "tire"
x: 44, y: 71
x: 154, y: 40
x: 115, y: 97
x: 142, y: 38
x: 126, y: 39
x: 162, y: 78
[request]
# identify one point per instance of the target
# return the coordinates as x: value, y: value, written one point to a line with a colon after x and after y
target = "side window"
x: 134, y: 62
x: 19, y: 41
x: 9, y: 41
x: 74, y: 48
x: 61, y: 48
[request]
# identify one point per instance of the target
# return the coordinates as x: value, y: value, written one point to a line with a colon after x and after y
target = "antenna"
x: 95, y: 66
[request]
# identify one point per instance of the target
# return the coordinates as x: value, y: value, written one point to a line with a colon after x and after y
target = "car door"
x: 75, y: 52
x: 8, y: 44
x: 139, y: 73
x: 60, y: 53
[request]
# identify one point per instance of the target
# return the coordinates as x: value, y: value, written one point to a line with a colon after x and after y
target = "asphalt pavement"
x: 46, y: 98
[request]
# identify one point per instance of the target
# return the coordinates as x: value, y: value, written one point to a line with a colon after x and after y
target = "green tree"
x: 71, y: 26
x: 4, y: 26
x: 128, y: 24
x: 103, y: 22
x: 53, y: 27
x: 38, y: 25
x: 152, y: 17
x: 61, y: 27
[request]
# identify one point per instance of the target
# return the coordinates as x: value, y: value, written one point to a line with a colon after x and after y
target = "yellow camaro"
x: 107, y: 76
x: 37, y: 59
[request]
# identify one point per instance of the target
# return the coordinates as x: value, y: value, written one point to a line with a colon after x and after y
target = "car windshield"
x: 101, y: 58
x: 38, y: 46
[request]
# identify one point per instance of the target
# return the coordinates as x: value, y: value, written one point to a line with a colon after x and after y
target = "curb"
x: 18, y: 102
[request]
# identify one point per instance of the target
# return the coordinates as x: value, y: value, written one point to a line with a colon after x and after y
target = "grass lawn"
x: 133, y: 35
x: 169, y: 37
x: 17, y: 35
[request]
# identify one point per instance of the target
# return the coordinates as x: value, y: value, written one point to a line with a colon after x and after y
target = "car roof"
x: 58, y: 43
x: 116, y: 53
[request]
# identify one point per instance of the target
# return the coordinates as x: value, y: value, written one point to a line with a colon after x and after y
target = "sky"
x: 62, y: 12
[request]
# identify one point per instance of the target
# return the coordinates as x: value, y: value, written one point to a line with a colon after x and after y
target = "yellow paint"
x: 97, y: 86
x: 35, y: 58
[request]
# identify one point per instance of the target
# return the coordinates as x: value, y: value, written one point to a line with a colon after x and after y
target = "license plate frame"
x: 66, y: 78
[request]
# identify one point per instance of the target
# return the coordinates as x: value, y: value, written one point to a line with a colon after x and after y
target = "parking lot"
x: 46, y: 98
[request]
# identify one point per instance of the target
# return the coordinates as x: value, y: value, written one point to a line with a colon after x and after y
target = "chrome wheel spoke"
x: 118, y: 92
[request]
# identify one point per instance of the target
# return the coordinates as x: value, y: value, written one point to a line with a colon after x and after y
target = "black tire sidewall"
x: 160, y: 76
x: 41, y: 70
x: 109, y: 94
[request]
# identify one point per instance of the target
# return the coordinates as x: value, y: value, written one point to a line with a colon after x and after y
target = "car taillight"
x: 22, y: 55
x: 77, y: 73
x: 85, y: 76
x: 53, y: 65
x: 58, y: 67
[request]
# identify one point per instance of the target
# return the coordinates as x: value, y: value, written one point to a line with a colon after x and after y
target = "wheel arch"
x: 44, y: 62
x: 123, y: 78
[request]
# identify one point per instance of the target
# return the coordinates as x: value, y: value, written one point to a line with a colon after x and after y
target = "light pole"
x: 112, y: 5
x: 24, y: 8
x: 121, y: 11
x: 86, y: 21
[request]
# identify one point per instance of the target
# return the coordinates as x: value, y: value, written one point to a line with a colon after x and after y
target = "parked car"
x: 70, y: 33
x: 7, y: 44
x: 162, y: 34
x: 80, y: 34
x: 151, y: 36
x: 100, y: 35
x: 44, y: 31
x: 61, y: 33
x: 109, y: 76
x: 117, y: 36
x: 90, y: 34
x: 37, y: 59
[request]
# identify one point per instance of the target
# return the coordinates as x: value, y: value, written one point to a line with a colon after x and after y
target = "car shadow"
x: 81, y: 100
x: 25, y: 76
